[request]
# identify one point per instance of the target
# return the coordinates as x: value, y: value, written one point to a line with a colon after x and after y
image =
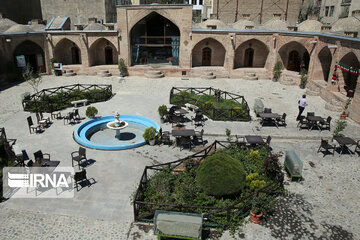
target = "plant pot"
x: 274, y: 80
x: 162, y: 120
x: 343, y: 116
x: 302, y: 86
x: 152, y: 142
x: 255, y: 218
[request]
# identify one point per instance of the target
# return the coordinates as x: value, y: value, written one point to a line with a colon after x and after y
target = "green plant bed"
x: 203, y: 185
x: 223, y: 109
x: 62, y: 100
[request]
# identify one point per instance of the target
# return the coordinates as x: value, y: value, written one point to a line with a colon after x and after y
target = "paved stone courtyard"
x: 323, y: 206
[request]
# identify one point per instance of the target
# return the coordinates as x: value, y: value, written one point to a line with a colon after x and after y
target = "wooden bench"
x: 177, y: 225
x: 82, y: 101
x: 293, y: 165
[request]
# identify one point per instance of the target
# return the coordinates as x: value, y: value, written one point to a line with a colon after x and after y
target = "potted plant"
x: 122, y: 68
x: 257, y: 209
x: 162, y: 112
x: 304, y: 78
x: 91, y: 112
x: 340, y: 126
x: 277, y: 71
x: 150, y: 135
x: 344, y: 113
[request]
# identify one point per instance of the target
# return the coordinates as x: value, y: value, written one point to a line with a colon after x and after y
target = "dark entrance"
x: 294, y: 61
x: 206, y: 57
x: 75, y: 55
x: 33, y: 53
x: 109, y: 55
x: 249, y: 57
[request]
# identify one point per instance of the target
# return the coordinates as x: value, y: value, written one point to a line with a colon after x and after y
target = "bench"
x: 293, y: 165
x: 191, y: 107
x: 82, y: 101
x: 177, y: 225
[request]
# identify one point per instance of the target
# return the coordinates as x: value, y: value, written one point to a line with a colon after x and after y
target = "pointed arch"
x: 350, y: 80
x: 33, y: 53
x: 217, y: 50
x: 102, y: 52
x: 325, y: 59
x: 67, y: 52
x: 251, y: 53
x: 155, y: 39
x: 294, y: 56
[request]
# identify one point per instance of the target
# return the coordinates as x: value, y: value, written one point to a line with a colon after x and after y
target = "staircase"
x: 334, y: 105
x: 104, y: 73
x: 250, y: 76
x: 208, y: 75
x: 154, y: 74
x: 313, y: 90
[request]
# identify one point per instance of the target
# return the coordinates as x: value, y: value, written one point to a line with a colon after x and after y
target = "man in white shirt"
x: 302, y: 103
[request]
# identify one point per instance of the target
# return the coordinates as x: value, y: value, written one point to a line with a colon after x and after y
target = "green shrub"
x: 221, y: 175
x: 208, y: 105
x: 162, y: 110
x: 340, y: 126
x: 277, y: 70
x: 159, y: 187
x: 122, y: 67
x: 91, y: 112
x: 149, y: 134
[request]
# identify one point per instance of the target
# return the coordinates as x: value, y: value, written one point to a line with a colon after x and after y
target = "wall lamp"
x: 190, y: 35
x: 332, y: 47
x: 8, y: 40
x: 313, y: 42
x: 274, y: 39
x: 232, y: 38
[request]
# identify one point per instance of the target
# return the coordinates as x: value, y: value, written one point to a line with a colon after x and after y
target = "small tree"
x: 277, y: 70
x: 32, y: 78
x: 304, y: 77
x: 122, y: 67
x: 162, y: 110
x: 340, y: 126
x: 91, y: 112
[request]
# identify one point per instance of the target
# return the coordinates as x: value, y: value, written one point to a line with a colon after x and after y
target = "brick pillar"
x: 84, y: 48
x: 354, y: 112
x: 230, y: 52
x: 335, y: 58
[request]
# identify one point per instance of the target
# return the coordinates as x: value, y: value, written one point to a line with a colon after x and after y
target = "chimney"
x: 109, y: 27
x: 78, y: 27
x: 355, y: 13
x: 93, y: 20
x: 277, y: 16
x: 246, y: 16
x: 249, y: 27
x: 313, y: 16
x: 325, y: 28
x: 351, y: 34
x: 292, y: 28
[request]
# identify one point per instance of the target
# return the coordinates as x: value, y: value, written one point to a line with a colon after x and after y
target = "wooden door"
x: 249, y: 57
x: 206, y: 57
x: 109, y: 55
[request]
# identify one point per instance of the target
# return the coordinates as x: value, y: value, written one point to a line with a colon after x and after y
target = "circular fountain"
x: 117, y: 125
x: 98, y: 133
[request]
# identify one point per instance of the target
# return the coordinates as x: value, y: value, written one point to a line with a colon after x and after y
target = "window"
x: 326, y: 11
x: 332, y: 8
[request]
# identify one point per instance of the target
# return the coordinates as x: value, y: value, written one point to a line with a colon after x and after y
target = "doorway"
x: 109, y: 55
x: 206, y: 57
x: 249, y: 57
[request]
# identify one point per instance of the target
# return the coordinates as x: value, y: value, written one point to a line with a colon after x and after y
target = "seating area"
x: 312, y: 122
x: 268, y: 118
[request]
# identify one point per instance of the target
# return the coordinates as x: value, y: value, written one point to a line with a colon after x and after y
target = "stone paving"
x: 323, y: 206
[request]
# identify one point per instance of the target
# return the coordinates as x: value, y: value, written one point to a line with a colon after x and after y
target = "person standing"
x: 302, y: 104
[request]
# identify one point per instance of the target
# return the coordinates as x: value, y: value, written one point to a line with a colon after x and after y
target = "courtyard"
x: 323, y: 205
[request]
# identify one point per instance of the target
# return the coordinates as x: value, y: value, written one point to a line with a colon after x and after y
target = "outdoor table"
x: 183, y: 133
x: 257, y: 140
x: 50, y: 165
x: 344, y: 142
x: 181, y: 111
x: 314, y: 120
x: 269, y: 116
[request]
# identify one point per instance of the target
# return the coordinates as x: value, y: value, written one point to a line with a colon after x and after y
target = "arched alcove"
x: 155, y: 40
x: 350, y: 80
x: 33, y: 53
x: 67, y: 52
x: 294, y: 56
x: 251, y: 53
x: 208, y: 52
x: 102, y: 52
x: 325, y: 59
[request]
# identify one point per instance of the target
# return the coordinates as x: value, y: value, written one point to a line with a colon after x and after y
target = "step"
x: 334, y: 105
x: 154, y: 74
x: 69, y: 73
x: 313, y: 90
x: 208, y: 75
x: 104, y: 73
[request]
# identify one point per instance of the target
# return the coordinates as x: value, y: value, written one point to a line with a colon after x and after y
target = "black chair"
x: 78, y: 156
x: 185, y: 141
x: 69, y: 117
x: 79, y: 178
x: 282, y: 119
x: 357, y: 146
x: 325, y: 124
x: 199, y: 118
x: 310, y: 114
x: 175, y: 120
x: 267, y: 143
x: 47, y: 119
x: 240, y: 142
x: 303, y: 122
x: 199, y: 136
x: 31, y: 125
x: 30, y: 163
x: 39, y: 156
x: 325, y: 145
x: 76, y: 114
x: 267, y: 110
x: 165, y: 137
